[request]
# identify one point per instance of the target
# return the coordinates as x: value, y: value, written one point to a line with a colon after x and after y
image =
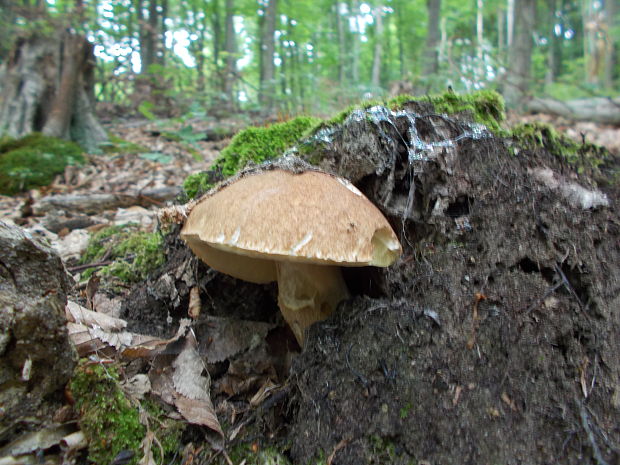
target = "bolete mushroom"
x: 296, y: 229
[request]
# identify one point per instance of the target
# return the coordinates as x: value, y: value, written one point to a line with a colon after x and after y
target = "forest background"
x: 288, y: 57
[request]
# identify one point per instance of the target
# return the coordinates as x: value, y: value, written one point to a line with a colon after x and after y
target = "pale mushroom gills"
x: 296, y: 229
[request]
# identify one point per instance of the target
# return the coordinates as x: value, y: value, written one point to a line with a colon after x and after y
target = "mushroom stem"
x: 308, y: 293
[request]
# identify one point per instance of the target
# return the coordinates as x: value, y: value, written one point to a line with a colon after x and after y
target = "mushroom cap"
x: 277, y: 215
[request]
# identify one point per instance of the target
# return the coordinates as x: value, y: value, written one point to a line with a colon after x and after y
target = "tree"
x: 431, y: 62
x: 48, y: 86
x: 517, y: 80
x: 267, y: 50
x: 230, y: 68
x: 378, y: 48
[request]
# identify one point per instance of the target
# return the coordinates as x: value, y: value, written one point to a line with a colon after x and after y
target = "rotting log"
x: 96, y: 203
x: 599, y: 109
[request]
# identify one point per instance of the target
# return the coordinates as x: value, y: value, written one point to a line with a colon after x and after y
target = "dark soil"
x: 496, y: 339
x: 493, y: 340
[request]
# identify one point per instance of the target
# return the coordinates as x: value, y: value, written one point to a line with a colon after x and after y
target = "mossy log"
x: 599, y: 110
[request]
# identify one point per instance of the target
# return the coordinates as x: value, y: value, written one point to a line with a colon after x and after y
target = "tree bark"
x: 375, y: 78
x: 517, y: 80
x: 611, y: 8
x: 230, y: 70
x: 267, y: 44
x: 431, y: 62
x: 342, y: 56
x: 47, y: 86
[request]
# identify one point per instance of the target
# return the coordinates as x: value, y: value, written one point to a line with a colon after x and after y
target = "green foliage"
x: 134, y: 254
x: 146, y: 109
x: 109, y: 422
x: 34, y: 160
x: 119, y: 145
x: 404, y: 411
x: 261, y: 144
x: 157, y: 157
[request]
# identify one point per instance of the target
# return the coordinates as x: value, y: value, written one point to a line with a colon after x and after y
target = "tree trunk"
x: 431, y: 63
x: 354, y: 7
x: 342, y: 54
x: 510, y: 22
x: 517, y: 80
x: 375, y: 77
x: 611, y: 8
x: 230, y: 71
x: 267, y: 43
x: 554, y: 59
x: 480, y: 67
x: 47, y: 86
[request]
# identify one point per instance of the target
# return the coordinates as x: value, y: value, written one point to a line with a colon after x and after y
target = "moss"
x: 108, y: 420
x: 34, y: 160
x: 259, y: 144
x: 540, y: 135
x: 167, y: 430
x: 584, y: 158
x: 199, y: 183
x: 383, y: 450
x: 404, y: 411
x: 134, y: 254
x: 485, y: 106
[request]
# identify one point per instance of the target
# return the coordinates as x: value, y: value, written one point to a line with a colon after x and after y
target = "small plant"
x: 134, y: 254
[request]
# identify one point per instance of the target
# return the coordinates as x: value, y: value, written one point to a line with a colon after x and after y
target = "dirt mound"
x: 495, y: 338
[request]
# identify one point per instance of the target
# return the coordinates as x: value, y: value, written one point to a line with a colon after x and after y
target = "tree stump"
x: 46, y: 85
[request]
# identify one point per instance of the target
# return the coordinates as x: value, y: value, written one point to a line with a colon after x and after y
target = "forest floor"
x: 145, y: 172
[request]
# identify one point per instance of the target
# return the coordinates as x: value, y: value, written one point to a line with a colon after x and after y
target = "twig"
x: 339, y: 446
x: 357, y: 374
x: 75, y: 269
x: 585, y: 422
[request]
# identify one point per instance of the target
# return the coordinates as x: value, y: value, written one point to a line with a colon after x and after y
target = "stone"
x: 36, y: 356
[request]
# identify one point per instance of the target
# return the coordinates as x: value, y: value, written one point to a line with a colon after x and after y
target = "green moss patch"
x: 111, y: 423
x: 485, y: 107
x: 257, y: 145
x: 252, y: 145
x: 134, y: 254
x: 584, y: 158
x: 199, y: 183
x: 34, y: 160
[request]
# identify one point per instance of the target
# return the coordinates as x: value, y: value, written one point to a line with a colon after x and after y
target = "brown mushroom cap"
x: 278, y: 215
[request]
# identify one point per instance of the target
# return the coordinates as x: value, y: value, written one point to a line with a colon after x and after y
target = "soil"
x: 494, y: 339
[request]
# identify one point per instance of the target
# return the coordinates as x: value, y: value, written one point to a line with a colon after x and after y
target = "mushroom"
x: 294, y: 228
